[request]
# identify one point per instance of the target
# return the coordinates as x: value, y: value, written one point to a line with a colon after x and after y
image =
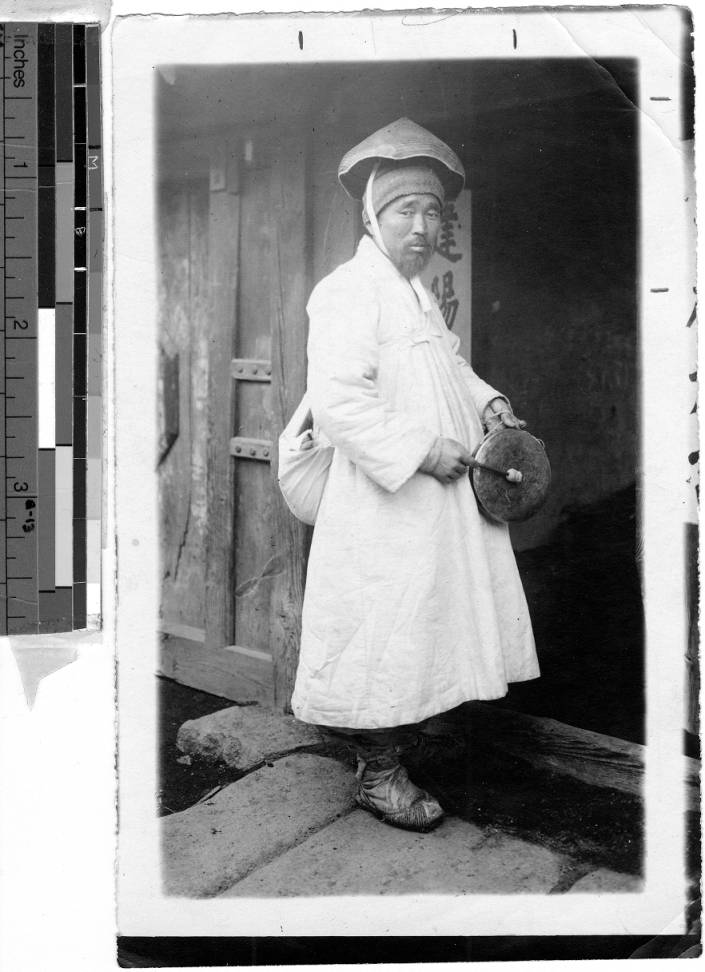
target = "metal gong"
x: 510, y: 449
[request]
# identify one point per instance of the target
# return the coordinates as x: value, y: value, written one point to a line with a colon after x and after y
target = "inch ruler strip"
x: 56, y: 598
x: 51, y: 256
x: 46, y: 321
x: 19, y: 371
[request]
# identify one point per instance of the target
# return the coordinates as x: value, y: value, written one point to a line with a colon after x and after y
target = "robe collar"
x: 384, y: 271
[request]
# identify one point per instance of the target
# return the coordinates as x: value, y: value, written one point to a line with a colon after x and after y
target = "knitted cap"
x: 394, y: 179
x: 403, y: 140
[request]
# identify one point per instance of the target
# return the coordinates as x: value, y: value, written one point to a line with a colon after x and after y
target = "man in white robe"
x: 413, y: 601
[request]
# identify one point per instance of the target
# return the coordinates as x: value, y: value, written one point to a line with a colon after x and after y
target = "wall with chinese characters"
x: 449, y: 274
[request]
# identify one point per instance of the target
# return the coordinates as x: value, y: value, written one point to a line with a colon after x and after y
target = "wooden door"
x: 256, y: 558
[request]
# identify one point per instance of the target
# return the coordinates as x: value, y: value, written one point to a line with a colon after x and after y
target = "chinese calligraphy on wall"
x: 448, y: 274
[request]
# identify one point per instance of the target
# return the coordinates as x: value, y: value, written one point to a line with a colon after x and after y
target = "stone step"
x: 215, y: 844
x: 359, y: 855
x: 244, y: 736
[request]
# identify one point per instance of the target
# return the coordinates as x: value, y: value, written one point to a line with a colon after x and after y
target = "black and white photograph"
x: 350, y: 527
x: 406, y: 601
x: 406, y: 475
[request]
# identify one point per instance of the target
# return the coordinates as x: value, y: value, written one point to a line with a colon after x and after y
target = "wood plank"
x: 255, y: 555
x: 223, y: 238
x: 258, y: 271
x: 209, y: 670
x: 254, y: 540
x: 169, y: 402
x: 174, y: 309
x: 199, y: 401
x: 289, y: 333
x: 183, y: 217
x: 592, y: 757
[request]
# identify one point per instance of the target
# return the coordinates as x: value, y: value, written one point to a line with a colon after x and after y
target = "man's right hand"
x: 447, y: 461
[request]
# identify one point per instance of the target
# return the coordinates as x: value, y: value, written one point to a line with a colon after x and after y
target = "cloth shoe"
x: 387, y: 792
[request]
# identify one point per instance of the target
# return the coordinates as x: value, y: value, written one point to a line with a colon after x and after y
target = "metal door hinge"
x: 244, y: 448
x: 251, y: 369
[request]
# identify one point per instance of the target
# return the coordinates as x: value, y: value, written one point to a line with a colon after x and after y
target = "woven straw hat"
x: 401, y: 140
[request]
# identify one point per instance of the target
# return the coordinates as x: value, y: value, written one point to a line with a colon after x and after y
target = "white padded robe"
x: 413, y: 601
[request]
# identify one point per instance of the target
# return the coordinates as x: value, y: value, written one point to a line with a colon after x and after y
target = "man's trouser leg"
x: 385, y: 788
x: 374, y: 745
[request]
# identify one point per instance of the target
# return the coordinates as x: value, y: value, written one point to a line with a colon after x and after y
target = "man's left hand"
x: 499, y: 413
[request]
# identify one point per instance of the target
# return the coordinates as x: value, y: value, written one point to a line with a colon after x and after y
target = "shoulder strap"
x: 301, y: 420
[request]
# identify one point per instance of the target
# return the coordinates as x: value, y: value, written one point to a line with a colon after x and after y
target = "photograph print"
x: 404, y: 544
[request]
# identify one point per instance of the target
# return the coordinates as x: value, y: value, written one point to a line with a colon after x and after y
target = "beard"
x: 411, y: 264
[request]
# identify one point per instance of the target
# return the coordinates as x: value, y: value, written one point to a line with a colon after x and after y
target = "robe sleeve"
x: 482, y: 393
x: 343, y: 356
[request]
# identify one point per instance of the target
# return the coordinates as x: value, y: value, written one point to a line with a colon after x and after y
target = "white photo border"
x: 665, y: 299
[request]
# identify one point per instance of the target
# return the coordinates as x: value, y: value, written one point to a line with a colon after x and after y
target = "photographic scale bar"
x: 50, y: 369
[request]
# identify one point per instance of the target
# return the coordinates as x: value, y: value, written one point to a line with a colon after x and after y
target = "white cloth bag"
x: 303, y: 467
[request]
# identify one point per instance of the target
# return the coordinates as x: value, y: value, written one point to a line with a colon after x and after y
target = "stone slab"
x: 244, y: 736
x: 360, y: 855
x: 210, y: 846
x: 608, y: 882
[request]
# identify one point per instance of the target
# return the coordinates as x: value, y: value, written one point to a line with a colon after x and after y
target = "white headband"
x: 371, y: 215
x: 415, y: 282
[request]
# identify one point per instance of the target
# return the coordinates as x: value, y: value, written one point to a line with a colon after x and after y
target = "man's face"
x: 409, y: 226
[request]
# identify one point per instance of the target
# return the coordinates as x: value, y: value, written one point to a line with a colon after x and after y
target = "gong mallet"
x: 511, y: 475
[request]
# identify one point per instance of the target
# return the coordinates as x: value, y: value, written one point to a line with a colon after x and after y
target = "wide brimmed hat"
x: 401, y: 141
